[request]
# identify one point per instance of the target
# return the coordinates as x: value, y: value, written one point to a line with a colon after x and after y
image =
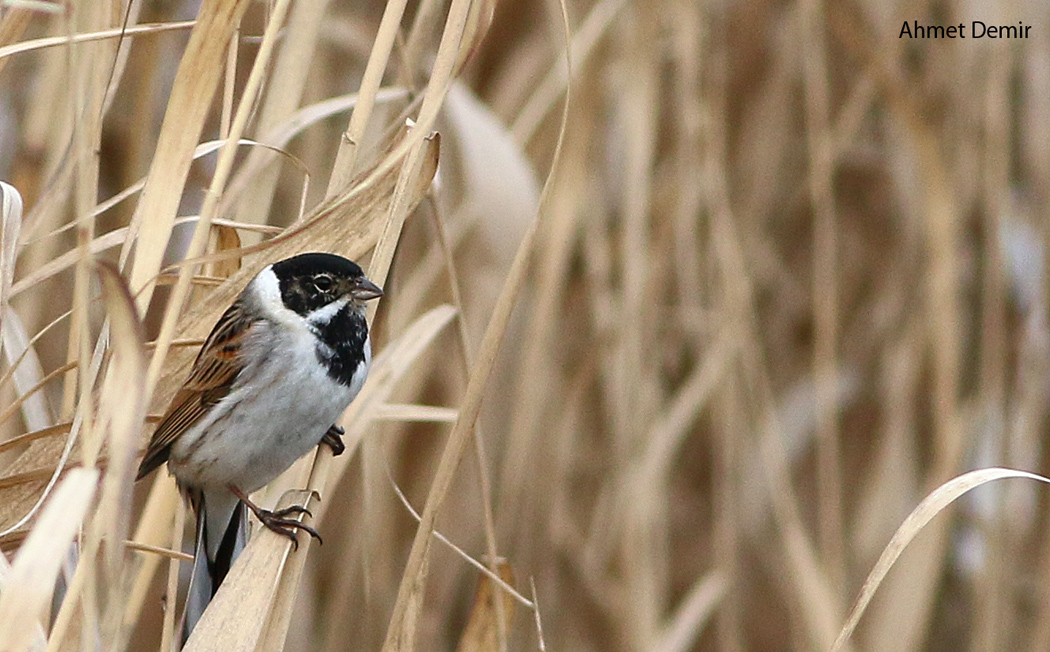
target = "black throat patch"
x: 342, y: 346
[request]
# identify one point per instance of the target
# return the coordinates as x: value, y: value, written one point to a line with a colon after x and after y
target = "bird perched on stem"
x: 277, y: 370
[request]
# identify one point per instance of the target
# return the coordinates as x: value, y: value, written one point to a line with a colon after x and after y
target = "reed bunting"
x: 277, y: 370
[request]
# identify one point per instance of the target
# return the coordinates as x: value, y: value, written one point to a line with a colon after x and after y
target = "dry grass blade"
x: 153, y: 530
x: 402, y: 624
x: 403, y: 412
x: 402, y: 627
x: 119, y: 421
x: 60, y: 429
x: 820, y: 608
x: 346, y: 158
x: 825, y: 287
x: 285, y: 88
x: 32, y: 579
x: 291, y: 126
x: 931, y: 506
x: 668, y: 432
x: 478, y: 23
x: 195, y: 84
x: 545, y: 97
x: 681, y: 633
x: 53, y: 41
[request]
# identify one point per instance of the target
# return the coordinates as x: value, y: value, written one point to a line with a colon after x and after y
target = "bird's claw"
x: 293, y: 510
x: 280, y: 522
x: 334, y: 440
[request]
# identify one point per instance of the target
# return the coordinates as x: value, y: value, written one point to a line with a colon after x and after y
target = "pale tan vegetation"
x: 690, y: 305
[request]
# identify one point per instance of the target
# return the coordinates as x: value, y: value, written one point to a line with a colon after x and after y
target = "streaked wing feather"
x: 213, y: 374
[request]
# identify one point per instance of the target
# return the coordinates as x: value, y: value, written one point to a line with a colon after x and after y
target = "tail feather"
x: 213, y: 556
x: 201, y: 587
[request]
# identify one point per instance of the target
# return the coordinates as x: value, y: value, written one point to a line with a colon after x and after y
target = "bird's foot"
x: 334, y: 440
x: 280, y: 521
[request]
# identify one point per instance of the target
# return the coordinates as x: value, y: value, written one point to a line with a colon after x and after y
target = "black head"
x: 311, y: 281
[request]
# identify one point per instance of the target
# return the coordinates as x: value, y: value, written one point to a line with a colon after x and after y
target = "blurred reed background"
x: 787, y: 278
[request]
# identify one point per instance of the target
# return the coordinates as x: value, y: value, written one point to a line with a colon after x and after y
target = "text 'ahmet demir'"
x: 977, y: 29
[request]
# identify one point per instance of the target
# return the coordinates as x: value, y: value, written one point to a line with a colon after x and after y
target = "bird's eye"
x: 323, y: 282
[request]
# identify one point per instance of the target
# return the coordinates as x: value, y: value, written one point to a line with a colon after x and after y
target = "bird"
x: 279, y: 367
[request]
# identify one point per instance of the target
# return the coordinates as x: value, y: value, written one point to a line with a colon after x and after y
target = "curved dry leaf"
x: 13, y: 22
x: 122, y: 408
x: 18, y: 350
x: 223, y: 238
x: 478, y: 22
x: 39, y: 639
x: 16, y: 344
x: 482, y: 633
x: 501, y: 192
x: 36, y: 566
x: 931, y: 506
x: 10, y: 227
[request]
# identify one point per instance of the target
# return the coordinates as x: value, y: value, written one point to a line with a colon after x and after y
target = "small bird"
x: 277, y: 370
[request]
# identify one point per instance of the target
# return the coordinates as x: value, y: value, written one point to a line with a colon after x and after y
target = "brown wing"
x: 214, y: 371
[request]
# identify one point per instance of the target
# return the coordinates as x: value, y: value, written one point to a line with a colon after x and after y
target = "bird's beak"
x: 363, y: 290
